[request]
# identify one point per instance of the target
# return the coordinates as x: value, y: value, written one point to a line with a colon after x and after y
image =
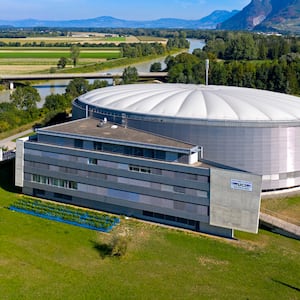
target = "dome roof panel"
x: 197, y: 102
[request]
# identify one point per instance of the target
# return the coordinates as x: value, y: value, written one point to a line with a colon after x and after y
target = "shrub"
x: 118, y: 245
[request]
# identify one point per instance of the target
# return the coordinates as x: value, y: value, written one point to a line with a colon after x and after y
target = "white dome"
x: 197, y: 102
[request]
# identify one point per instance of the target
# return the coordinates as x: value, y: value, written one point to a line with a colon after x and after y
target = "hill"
x: 208, y: 22
x: 266, y: 15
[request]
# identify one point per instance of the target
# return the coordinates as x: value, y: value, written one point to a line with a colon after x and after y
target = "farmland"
x: 41, y: 54
x: 40, y: 59
x: 50, y: 53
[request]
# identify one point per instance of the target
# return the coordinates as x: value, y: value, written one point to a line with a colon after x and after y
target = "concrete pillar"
x: 1, y: 154
x: 11, y: 85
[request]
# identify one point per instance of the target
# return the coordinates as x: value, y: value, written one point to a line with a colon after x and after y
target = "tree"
x: 155, y: 67
x: 75, y: 52
x: 62, y: 63
x: 130, y: 75
x: 57, y: 102
x: 98, y: 84
x: 25, y: 98
x: 77, y: 87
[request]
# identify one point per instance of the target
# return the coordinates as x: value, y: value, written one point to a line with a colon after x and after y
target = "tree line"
x: 242, y: 59
x: 23, y: 107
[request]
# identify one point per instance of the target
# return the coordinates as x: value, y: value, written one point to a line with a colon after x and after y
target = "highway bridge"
x: 56, y: 76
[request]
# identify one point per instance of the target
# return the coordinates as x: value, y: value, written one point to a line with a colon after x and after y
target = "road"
x: 156, y: 75
x: 10, y: 143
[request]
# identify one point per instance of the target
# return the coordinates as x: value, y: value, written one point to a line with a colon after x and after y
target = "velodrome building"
x: 251, y: 130
x: 190, y: 156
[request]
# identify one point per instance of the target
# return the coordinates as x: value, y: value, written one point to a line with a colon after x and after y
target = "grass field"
x: 16, y: 60
x: 41, y: 259
x: 56, y: 54
x: 287, y: 208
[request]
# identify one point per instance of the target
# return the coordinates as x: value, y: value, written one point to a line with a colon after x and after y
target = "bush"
x: 118, y: 245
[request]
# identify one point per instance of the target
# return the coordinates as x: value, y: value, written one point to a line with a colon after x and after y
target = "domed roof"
x: 197, y: 102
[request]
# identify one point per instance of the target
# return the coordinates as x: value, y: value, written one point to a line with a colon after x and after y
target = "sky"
x: 122, y: 9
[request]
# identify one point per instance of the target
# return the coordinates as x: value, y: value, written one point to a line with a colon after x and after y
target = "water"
x: 59, y: 86
x: 195, y: 44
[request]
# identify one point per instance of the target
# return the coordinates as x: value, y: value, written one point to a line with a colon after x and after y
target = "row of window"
x: 128, y: 181
x: 169, y: 218
x: 115, y: 165
x: 121, y: 195
x: 144, y: 199
x: 67, y: 184
x: 133, y: 151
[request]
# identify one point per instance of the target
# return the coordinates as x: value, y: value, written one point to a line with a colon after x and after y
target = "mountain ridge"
x: 266, y: 15
x: 208, y: 22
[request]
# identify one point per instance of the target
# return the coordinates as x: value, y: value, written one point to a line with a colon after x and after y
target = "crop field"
x: 56, y: 54
x: 25, y: 58
x: 15, y: 60
x: 43, y: 259
x: 79, y: 38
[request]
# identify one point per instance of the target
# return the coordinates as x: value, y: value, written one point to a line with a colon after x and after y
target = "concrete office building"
x: 126, y: 171
x: 248, y: 129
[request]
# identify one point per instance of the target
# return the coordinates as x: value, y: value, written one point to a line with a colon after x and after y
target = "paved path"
x: 10, y: 143
x: 280, y: 226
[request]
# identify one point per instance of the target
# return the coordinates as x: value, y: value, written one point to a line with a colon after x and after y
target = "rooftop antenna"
x: 206, y: 71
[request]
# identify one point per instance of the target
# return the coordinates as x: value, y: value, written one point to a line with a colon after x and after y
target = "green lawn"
x: 287, y: 208
x: 41, y: 259
x: 57, y: 54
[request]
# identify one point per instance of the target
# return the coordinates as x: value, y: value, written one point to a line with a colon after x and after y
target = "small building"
x: 113, y: 168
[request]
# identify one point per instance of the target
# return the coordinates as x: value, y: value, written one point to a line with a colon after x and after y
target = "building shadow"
x: 7, y: 176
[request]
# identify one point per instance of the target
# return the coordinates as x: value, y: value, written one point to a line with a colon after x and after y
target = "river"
x: 59, y: 86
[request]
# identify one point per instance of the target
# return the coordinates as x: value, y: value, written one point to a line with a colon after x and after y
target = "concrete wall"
x: 235, y: 199
x: 19, y: 166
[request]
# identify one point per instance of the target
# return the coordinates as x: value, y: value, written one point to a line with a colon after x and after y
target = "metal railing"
x: 8, y: 155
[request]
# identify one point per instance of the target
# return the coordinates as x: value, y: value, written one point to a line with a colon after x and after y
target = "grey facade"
x: 270, y: 149
x: 137, y: 174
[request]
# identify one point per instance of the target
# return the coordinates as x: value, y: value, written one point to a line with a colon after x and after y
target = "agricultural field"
x: 20, y: 60
x: 80, y: 37
x: 40, y: 59
x: 43, y: 259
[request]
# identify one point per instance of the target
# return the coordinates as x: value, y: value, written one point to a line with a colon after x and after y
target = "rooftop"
x: 196, y: 102
x: 109, y: 132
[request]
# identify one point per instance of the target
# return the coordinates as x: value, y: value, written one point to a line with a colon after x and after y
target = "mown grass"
x: 41, y: 259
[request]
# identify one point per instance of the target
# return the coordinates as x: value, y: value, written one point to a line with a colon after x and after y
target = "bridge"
x: 94, y: 75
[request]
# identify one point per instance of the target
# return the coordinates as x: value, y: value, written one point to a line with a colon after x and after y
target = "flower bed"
x: 66, y: 214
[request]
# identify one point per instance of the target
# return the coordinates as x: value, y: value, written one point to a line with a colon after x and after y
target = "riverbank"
x: 120, y: 62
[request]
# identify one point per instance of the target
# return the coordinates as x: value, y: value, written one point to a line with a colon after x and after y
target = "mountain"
x: 209, y: 22
x: 266, y: 15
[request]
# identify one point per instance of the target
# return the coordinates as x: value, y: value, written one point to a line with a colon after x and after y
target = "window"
x: 140, y: 169
x: 92, y: 161
x: 179, y: 189
x: 63, y: 196
x: 54, y: 181
x: 78, y: 143
x: 37, y: 192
